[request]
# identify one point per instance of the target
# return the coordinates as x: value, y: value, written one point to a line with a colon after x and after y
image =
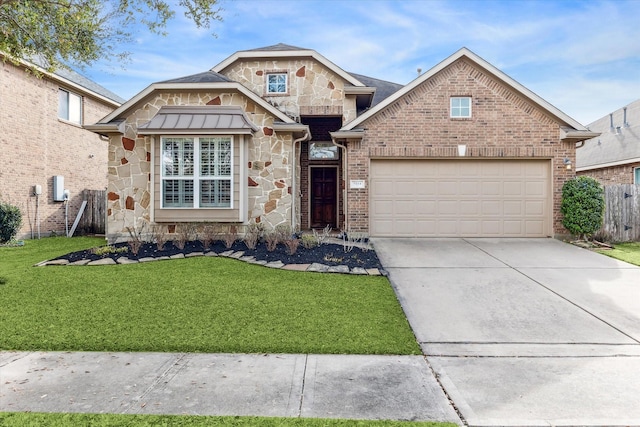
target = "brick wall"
x: 503, y: 125
x: 35, y: 146
x: 622, y: 174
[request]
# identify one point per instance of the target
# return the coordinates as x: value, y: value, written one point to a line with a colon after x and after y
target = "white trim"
x: 607, y: 165
x: 451, y: 98
x: 286, y: 54
x: 464, y: 52
x: 268, y: 74
x: 636, y: 174
x: 243, y: 173
x: 152, y: 178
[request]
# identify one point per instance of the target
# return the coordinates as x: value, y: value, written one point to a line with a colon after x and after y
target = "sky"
x: 583, y: 57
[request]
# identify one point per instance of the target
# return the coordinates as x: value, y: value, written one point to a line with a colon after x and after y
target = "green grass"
x: 8, y: 419
x: 629, y: 252
x: 204, y: 304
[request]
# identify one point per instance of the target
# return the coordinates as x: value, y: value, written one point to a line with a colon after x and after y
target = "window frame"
x: 195, y: 171
x: 270, y: 74
x: 65, y: 110
x: 636, y: 175
x: 459, y: 108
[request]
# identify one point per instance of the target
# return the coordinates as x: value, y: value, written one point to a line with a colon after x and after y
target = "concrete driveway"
x: 523, y: 331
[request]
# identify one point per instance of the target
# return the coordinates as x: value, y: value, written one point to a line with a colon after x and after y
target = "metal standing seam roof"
x: 187, y: 120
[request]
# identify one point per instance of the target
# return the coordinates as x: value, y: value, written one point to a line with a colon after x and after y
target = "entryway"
x: 324, y: 200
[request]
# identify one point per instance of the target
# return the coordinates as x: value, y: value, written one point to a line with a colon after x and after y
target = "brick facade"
x: 622, y: 174
x: 36, y: 145
x: 504, y: 125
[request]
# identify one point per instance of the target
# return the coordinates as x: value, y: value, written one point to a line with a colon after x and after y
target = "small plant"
x: 322, y: 238
x: 136, y: 240
x: 106, y: 250
x: 185, y: 233
x: 330, y: 257
x: 252, y: 235
x: 271, y: 240
x: 582, y: 206
x: 292, y: 244
x: 309, y: 241
x: 159, y: 235
x: 10, y: 221
x: 230, y: 236
x: 353, y: 239
x: 208, y: 235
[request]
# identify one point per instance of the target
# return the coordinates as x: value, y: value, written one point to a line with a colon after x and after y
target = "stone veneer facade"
x: 503, y: 125
x: 37, y: 145
x: 312, y: 90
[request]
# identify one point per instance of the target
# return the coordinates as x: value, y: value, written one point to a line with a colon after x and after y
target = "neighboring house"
x: 614, y: 156
x: 281, y: 135
x: 41, y: 118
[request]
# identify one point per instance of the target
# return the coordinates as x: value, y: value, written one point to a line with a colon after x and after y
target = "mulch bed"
x: 327, y: 254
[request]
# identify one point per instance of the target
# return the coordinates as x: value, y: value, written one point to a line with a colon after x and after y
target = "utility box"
x: 58, y: 188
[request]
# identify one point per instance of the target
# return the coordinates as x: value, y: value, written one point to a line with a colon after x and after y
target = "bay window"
x: 197, y: 172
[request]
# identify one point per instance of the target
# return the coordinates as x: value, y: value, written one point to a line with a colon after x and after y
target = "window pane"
x: 277, y: 83
x: 63, y: 104
x: 215, y: 193
x: 637, y: 177
x: 460, y: 106
x: 75, y: 108
x: 177, y: 193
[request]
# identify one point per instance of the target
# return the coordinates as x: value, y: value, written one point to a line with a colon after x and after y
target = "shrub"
x: 10, y: 221
x: 582, y: 206
x: 252, y: 235
x: 230, y: 236
x: 309, y: 241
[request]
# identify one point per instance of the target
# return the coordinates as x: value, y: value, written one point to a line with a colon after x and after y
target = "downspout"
x: 344, y: 178
x: 294, y: 188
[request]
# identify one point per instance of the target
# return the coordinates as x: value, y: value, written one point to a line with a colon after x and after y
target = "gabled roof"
x: 286, y: 51
x: 111, y: 122
x: 618, y: 144
x: 465, y: 53
x: 74, y: 80
x: 384, y: 89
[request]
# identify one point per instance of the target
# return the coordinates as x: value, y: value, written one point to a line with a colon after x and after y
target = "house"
x: 282, y: 135
x: 42, y: 137
x: 614, y: 156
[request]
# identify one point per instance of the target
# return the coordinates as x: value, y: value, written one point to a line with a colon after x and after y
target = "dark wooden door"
x: 324, y: 200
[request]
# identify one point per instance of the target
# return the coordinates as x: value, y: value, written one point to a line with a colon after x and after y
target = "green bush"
x: 10, y: 221
x: 582, y: 206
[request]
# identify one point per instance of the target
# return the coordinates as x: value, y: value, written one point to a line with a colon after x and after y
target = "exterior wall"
x: 622, y: 174
x: 503, y: 125
x: 313, y: 89
x: 268, y: 167
x: 35, y: 145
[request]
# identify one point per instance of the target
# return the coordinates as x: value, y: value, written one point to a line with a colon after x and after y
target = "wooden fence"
x: 622, y: 212
x: 93, y: 219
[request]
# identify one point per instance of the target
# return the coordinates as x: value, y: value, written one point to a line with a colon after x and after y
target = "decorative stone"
x: 147, y: 259
x: 215, y: 101
x: 331, y: 85
x: 270, y: 206
x: 227, y: 253
x: 259, y: 73
x: 194, y: 254
x: 236, y: 255
x: 301, y: 71
x: 124, y: 161
x: 252, y: 183
x: 358, y: 270
x: 320, y: 268
x: 80, y: 262
x: 296, y: 267
x: 125, y: 260
x: 275, y: 264
x: 258, y: 262
x: 373, y: 272
x: 338, y: 269
x: 280, y: 184
x: 247, y: 258
x: 55, y: 262
x: 112, y: 196
x: 130, y: 203
x: 128, y: 143
x: 211, y: 253
x: 275, y: 194
x: 267, y: 131
x: 177, y: 256
x: 103, y: 261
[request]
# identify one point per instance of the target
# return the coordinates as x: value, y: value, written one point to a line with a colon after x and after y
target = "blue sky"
x: 581, y: 56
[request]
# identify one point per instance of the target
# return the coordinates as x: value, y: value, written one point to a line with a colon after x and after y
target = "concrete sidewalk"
x: 274, y: 385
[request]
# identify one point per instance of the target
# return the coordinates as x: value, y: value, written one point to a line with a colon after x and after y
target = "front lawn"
x: 109, y: 420
x: 629, y: 252
x: 211, y: 305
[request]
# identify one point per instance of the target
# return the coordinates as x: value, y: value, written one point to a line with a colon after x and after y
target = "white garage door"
x: 460, y: 198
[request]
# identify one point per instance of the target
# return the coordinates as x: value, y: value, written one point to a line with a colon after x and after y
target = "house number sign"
x: 355, y: 184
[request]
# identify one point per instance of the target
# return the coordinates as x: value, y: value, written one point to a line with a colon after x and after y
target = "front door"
x: 324, y: 201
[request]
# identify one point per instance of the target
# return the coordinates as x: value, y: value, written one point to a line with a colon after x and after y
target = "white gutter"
x: 345, y: 192
x: 608, y: 165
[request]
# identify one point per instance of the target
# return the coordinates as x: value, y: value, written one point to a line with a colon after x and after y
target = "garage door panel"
x: 449, y: 198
